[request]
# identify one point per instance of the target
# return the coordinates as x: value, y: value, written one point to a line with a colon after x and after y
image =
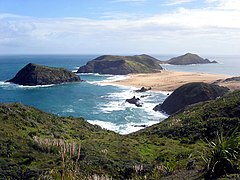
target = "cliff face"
x: 33, y: 74
x: 188, y: 59
x: 121, y: 65
x: 188, y: 94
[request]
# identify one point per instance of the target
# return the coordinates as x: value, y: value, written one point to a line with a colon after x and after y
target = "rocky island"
x: 33, y: 74
x: 121, y: 65
x: 188, y: 59
x: 188, y: 94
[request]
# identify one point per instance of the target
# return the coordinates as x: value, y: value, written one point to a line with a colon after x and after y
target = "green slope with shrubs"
x: 37, y: 144
x: 121, y: 65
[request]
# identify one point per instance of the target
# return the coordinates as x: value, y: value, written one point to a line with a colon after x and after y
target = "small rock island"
x: 33, y: 74
x: 188, y: 59
x: 122, y: 65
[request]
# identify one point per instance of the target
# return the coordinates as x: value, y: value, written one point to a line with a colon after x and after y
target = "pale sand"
x: 168, y: 80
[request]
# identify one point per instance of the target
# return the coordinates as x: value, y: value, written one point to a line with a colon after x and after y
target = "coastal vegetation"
x: 121, y: 65
x: 35, y: 144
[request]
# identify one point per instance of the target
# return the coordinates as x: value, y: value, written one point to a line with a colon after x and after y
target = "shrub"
x: 223, y: 156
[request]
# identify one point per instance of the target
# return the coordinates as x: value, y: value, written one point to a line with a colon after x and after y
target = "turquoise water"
x: 97, y: 103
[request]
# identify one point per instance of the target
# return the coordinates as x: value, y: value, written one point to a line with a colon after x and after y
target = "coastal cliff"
x: 121, y: 65
x: 188, y: 59
x: 33, y: 74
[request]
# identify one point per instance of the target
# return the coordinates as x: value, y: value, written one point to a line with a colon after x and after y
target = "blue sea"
x: 98, y: 103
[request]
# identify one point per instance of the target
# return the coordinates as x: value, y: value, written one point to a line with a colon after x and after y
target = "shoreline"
x: 167, y: 81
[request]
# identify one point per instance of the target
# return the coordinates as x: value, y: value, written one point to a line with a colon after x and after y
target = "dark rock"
x: 121, y: 65
x: 157, y: 107
x: 143, y: 125
x: 232, y: 79
x: 135, y: 101
x: 188, y: 94
x: 143, y: 89
x: 191, y: 164
x: 143, y: 96
x: 33, y: 74
x: 188, y: 59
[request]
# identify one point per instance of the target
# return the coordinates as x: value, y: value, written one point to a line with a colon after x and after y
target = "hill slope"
x: 187, y: 59
x: 37, y: 144
x: 121, y: 65
x: 34, y: 143
x: 33, y: 74
x: 188, y: 94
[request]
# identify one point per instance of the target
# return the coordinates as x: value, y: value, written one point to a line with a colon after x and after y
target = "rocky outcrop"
x: 33, y: 74
x: 135, y: 101
x: 188, y: 94
x: 121, y: 65
x: 188, y: 59
x: 143, y: 89
x: 236, y: 79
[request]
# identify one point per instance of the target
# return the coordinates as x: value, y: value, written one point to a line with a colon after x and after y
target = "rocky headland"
x: 188, y: 59
x: 33, y: 74
x: 188, y: 94
x: 121, y: 65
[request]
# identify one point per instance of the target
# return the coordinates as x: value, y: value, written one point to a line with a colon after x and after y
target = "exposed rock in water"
x: 121, y: 65
x: 135, y: 101
x: 232, y: 79
x: 143, y: 96
x: 157, y: 107
x: 142, y: 125
x: 143, y: 89
x: 33, y: 74
x: 188, y: 94
x: 188, y: 59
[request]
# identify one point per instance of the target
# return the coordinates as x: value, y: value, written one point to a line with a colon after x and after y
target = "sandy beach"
x: 168, y: 80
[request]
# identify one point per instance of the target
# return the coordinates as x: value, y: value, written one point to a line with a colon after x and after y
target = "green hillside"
x: 121, y: 65
x: 36, y: 144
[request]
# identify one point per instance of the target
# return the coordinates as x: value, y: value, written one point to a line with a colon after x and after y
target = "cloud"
x: 230, y: 4
x: 225, y: 4
x: 177, y: 2
x: 208, y: 30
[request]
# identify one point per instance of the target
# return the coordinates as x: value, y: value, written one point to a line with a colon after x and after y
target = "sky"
x: 209, y: 27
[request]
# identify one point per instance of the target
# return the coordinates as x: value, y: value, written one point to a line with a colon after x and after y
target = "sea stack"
x: 188, y: 59
x: 122, y: 65
x: 33, y: 74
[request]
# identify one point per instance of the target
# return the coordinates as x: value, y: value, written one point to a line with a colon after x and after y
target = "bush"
x: 224, y: 155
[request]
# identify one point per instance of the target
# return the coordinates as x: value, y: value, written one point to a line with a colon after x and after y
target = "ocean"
x: 98, y: 103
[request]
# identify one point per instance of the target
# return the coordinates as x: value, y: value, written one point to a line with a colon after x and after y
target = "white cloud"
x: 177, y: 2
x: 225, y: 4
x: 230, y: 4
x: 210, y: 30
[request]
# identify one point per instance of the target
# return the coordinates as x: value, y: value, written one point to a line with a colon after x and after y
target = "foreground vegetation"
x: 195, y: 143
